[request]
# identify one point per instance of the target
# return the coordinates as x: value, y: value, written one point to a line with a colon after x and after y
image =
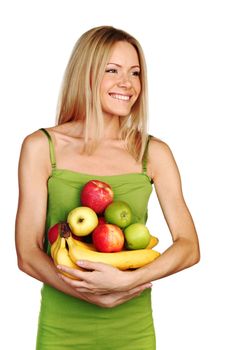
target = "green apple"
x: 118, y: 213
x: 82, y: 221
x: 137, y: 236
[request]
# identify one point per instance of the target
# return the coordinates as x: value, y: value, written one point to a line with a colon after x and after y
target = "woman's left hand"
x: 99, y: 278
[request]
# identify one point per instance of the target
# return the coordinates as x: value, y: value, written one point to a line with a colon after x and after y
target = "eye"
x: 111, y: 70
x: 136, y: 73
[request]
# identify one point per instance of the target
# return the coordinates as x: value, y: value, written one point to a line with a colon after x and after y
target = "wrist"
x: 128, y: 281
x: 140, y: 276
x: 136, y: 278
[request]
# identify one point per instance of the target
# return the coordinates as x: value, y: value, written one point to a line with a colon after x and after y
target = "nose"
x: 125, y: 81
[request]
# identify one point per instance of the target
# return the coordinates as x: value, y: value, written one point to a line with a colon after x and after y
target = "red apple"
x: 96, y: 195
x: 53, y: 233
x: 108, y: 238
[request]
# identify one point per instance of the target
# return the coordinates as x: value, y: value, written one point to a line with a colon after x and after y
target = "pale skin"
x: 101, y: 284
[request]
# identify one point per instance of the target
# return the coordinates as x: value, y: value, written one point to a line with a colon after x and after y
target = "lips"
x: 120, y: 97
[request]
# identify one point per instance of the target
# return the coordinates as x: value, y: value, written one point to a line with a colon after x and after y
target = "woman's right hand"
x: 112, y: 299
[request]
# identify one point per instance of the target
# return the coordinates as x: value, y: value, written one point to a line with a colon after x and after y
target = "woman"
x: 101, y: 134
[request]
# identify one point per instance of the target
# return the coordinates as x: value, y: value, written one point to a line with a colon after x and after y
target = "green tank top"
x: 127, y: 326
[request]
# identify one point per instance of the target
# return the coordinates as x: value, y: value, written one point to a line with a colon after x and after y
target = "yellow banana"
x: 153, y: 242
x: 88, y: 246
x: 61, y: 257
x: 55, y: 246
x: 123, y: 260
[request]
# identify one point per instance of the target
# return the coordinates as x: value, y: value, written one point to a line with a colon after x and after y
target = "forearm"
x: 181, y: 255
x: 40, y: 266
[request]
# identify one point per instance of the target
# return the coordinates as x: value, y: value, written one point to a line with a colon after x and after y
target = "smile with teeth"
x: 120, y: 97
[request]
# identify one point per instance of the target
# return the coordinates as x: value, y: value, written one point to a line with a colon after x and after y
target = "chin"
x: 118, y: 112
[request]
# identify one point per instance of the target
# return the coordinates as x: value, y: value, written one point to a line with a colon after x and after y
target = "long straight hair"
x: 80, y: 92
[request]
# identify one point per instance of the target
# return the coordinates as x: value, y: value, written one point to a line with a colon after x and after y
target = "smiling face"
x: 120, y: 86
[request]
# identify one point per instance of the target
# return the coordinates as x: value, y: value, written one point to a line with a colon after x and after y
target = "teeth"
x: 120, y: 97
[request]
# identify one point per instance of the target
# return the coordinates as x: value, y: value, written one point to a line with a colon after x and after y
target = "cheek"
x: 138, y: 88
x: 106, y: 84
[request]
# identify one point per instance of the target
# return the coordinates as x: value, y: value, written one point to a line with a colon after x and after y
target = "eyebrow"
x: 118, y: 65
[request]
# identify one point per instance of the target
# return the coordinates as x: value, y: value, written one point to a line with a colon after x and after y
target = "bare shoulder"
x: 34, y: 140
x: 160, y: 157
x: 35, y: 144
x: 157, y: 145
x: 35, y: 151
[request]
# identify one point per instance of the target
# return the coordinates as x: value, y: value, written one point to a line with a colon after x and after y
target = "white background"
x: 188, y: 46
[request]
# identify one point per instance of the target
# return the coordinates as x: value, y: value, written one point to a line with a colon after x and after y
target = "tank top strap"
x: 144, y: 159
x: 51, y: 148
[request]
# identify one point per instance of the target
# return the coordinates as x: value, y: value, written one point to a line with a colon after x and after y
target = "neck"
x: 111, y: 128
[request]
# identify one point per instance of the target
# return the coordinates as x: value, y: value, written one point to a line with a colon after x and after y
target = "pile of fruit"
x: 101, y: 230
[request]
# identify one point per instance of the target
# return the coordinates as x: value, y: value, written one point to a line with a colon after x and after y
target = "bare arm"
x: 31, y: 214
x: 184, y: 252
x: 34, y: 171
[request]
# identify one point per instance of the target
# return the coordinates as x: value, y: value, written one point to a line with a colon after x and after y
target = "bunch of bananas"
x: 67, y: 251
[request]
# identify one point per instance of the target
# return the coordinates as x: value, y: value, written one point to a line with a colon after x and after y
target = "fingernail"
x: 58, y: 267
x: 80, y: 262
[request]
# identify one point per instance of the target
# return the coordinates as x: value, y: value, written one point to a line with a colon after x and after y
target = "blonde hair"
x: 80, y: 99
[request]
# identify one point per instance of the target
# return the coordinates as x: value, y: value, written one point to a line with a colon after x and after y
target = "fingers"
x: 77, y: 284
x: 113, y: 299
x: 139, y: 289
x: 129, y: 296
x: 121, y: 297
x: 84, y: 264
x: 86, y: 282
x: 90, y: 265
x: 82, y: 275
x: 80, y: 285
